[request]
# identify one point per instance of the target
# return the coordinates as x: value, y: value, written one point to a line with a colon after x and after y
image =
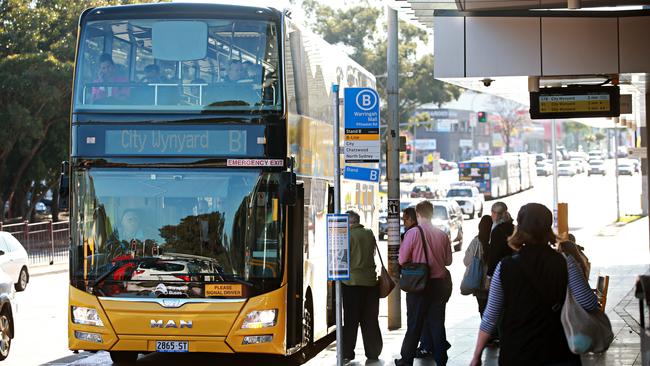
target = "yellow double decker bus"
x: 200, y: 175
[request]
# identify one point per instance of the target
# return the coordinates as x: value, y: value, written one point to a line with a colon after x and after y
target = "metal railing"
x: 45, y: 242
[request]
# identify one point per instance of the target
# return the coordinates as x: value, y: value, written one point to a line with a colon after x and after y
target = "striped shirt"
x: 577, y: 284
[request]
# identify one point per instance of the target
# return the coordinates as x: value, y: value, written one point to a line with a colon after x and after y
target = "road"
x: 41, y: 322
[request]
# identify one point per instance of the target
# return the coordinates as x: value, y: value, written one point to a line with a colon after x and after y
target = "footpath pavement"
x: 620, y: 252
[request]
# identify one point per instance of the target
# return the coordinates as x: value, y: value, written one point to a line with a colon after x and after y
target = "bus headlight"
x: 260, y: 319
x: 88, y: 337
x: 86, y: 316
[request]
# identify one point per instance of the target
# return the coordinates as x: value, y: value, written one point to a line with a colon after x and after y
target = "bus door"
x: 295, y: 274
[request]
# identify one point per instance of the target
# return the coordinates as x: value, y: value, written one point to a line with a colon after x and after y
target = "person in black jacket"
x: 502, y: 229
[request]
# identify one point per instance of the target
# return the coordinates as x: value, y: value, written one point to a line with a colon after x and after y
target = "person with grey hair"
x: 502, y: 228
x: 361, y: 293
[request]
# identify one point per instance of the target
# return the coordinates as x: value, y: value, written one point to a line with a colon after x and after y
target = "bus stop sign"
x: 361, y: 125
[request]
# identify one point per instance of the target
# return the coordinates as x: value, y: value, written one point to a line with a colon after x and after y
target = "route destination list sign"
x: 575, y: 102
x: 361, y: 125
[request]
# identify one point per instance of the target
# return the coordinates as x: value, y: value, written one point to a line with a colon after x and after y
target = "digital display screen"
x: 575, y: 102
x: 177, y: 141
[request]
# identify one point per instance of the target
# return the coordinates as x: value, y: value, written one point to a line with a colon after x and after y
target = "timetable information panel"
x: 575, y: 102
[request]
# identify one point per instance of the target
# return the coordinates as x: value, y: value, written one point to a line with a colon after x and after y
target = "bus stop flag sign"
x: 361, y: 125
x: 338, y: 247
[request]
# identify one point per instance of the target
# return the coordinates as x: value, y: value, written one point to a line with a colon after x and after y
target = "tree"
x: 37, y: 47
x: 356, y: 28
x: 511, y: 119
x: 576, y: 130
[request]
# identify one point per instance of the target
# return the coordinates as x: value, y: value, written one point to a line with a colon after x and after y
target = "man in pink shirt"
x: 430, y: 304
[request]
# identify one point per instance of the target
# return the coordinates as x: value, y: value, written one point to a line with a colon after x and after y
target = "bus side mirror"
x: 288, y: 192
x: 64, y: 186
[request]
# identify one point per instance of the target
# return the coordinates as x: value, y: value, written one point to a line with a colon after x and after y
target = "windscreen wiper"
x: 118, y: 264
x: 224, y: 277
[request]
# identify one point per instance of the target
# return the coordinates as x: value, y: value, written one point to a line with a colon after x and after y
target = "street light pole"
x: 618, y: 200
x: 392, y: 170
x: 554, y: 157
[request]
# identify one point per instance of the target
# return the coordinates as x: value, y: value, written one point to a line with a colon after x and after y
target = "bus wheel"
x: 307, y: 333
x: 122, y: 357
x: 308, y: 323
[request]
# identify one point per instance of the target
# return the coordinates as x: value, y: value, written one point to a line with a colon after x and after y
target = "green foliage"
x: 361, y: 28
x: 37, y: 47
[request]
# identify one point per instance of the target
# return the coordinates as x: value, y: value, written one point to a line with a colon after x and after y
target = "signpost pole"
x: 554, y: 157
x: 392, y: 170
x: 337, y: 209
x: 618, y: 201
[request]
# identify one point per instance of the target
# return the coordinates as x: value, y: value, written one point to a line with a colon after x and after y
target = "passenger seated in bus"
x: 252, y: 72
x: 108, y: 74
x: 152, y: 75
x: 234, y: 72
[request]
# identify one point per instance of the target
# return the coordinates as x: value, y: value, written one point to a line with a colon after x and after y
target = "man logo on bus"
x: 366, y: 100
x: 170, y: 324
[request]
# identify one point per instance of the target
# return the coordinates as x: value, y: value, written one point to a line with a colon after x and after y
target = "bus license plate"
x: 172, y: 346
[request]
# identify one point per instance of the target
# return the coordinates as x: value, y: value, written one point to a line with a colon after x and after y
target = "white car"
x: 582, y: 164
x: 8, y: 310
x: 13, y: 260
x: 544, y: 168
x: 469, y: 199
x: 566, y: 168
x: 625, y: 167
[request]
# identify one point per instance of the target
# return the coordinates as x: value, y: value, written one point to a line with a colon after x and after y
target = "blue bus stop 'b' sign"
x: 361, y: 109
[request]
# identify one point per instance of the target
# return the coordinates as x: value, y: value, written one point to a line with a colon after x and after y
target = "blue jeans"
x: 424, y: 308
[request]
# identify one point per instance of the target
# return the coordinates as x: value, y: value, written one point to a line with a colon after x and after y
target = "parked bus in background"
x: 490, y: 175
x: 201, y: 173
x: 526, y: 167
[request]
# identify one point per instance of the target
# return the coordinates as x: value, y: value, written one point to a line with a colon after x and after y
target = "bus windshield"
x: 178, y: 65
x: 161, y: 232
x: 474, y: 173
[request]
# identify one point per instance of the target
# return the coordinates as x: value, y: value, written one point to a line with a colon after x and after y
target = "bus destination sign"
x: 175, y: 142
x: 575, y: 102
x: 179, y: 141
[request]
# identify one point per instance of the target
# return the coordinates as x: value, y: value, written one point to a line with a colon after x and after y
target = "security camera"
x: 487, y: 82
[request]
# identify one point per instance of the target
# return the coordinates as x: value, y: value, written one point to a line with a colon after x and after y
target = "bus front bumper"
x: 131, y: 325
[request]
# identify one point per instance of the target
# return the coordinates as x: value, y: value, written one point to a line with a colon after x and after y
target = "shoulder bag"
x: 473, y: 278
x: 386, y: 283
x: 414, y: 276
x: 585, y: 331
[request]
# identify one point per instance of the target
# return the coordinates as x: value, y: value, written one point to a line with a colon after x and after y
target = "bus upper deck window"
x: 180, y: 40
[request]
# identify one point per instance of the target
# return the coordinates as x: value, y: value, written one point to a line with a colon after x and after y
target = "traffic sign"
x: 338, y: 247
x: 638, y: 152
x: 359, y: 173
x: 361, y: 125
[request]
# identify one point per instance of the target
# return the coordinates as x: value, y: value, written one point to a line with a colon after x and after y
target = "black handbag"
x: 414, y: 276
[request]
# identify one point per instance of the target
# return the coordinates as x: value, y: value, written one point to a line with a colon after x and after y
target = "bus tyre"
x: 307, y: 333
x: 124, y: 357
